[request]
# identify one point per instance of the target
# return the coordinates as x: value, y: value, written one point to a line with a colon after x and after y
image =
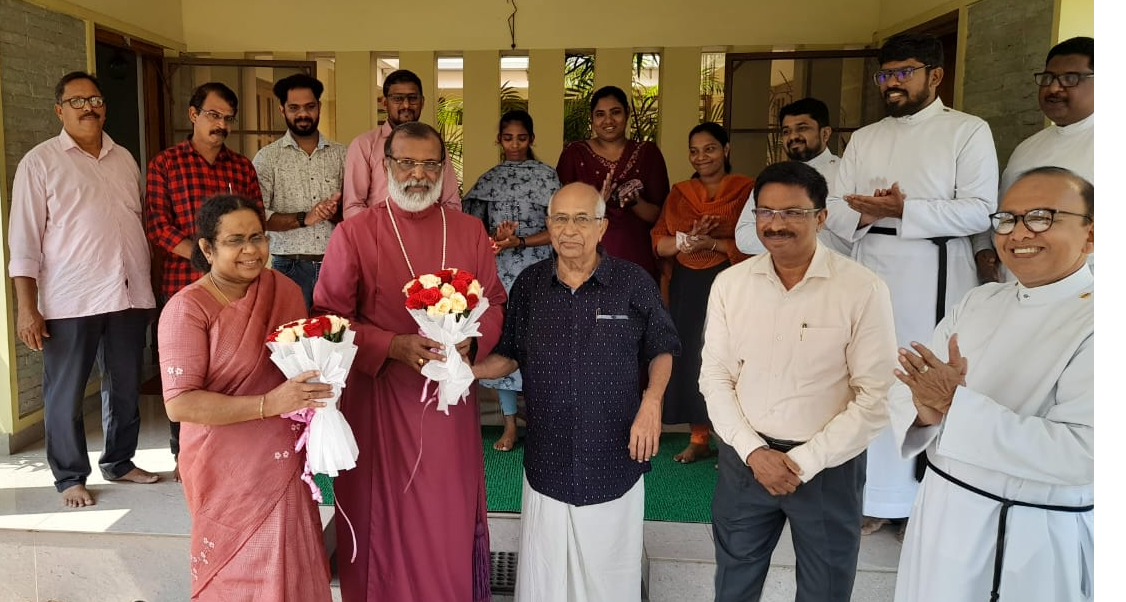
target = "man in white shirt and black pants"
x: 799, y: 346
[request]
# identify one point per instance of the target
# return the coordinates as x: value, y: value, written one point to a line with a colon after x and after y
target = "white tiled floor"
x: 133, y: 544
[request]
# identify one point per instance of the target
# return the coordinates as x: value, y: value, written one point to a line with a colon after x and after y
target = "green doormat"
x: 674, y: 492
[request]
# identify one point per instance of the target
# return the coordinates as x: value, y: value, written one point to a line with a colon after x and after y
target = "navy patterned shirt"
x: 584, y: 355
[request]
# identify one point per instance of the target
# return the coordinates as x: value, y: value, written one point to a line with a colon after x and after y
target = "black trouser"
x: 116, y: 341
x: 824, y: 517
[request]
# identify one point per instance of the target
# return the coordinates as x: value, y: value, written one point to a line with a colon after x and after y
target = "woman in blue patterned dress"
x: 511, y: 199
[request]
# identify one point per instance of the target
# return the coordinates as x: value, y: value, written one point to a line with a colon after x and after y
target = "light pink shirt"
x: 365, y: 177
x: 76, y: 228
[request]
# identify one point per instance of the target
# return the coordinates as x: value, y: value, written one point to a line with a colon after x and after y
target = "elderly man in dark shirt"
x: 581, y: 327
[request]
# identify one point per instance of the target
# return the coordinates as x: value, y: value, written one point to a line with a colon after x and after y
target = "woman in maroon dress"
x: 631, y: 175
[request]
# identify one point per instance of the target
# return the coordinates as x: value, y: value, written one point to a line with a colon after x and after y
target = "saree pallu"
x: 256, y: 534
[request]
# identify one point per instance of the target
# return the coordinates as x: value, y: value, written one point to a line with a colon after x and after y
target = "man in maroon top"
x: 180, y: 178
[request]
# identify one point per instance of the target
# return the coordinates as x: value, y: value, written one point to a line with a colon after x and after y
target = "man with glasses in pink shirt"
x: 365, y: 179
x: 80, y: 267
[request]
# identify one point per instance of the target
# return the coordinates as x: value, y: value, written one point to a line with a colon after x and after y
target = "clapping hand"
x: 324, y: 210
x: 932, y: 381
x: 884, y: 202
x: 699, y: 235
x: 505, y: 237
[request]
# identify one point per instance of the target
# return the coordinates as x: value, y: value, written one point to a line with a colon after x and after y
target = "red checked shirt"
x: 179, y: 180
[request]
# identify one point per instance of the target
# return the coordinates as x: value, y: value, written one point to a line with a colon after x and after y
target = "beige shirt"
x: 813, y: 363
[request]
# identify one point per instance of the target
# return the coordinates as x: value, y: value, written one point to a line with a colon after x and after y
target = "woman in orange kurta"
x: 696, y: 233
x: 256, y: 535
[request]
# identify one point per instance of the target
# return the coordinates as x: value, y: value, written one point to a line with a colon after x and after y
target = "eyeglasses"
x: 217, y: 116
x: 1036, y: 220
x: 1066, y: 80
x: 901, y: 74
x: 77, y: 102
x: 788, y: 215
x: 404, y: 98
x: 238, y: 242
x: 582, y: 220
x: 410, y: 164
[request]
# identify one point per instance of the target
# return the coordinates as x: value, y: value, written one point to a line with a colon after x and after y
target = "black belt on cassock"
x: 939, y: 308
x: 1006, y: 504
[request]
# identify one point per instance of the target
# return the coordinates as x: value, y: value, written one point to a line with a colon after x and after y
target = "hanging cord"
x: 512, y: 23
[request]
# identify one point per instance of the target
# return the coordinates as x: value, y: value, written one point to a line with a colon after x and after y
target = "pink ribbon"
x: 422, y: 399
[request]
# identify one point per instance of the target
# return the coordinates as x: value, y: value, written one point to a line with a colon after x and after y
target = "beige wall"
x: 156, y: 21
x: 1076, y: 18
x: 463, y: 25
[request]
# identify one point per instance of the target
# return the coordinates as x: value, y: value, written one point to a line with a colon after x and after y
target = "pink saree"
x: 256, y: 535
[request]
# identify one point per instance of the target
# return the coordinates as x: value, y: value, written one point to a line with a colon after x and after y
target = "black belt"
x: 310, y: 258
x: 782, y: 445
x: 1006, y: 504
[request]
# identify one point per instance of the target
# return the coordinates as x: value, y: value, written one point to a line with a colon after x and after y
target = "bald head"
x: 575, y: 221
x: 1078, y: 183
x: 582, y: 193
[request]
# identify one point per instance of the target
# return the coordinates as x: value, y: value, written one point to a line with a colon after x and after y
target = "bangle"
x: 301, y: 219
x: 714, y: 243
x: 261, y: 406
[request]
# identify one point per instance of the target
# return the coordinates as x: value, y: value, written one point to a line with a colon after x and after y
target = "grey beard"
x: 413, y: 202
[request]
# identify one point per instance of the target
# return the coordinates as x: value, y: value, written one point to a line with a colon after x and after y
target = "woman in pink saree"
x: 256, y: 535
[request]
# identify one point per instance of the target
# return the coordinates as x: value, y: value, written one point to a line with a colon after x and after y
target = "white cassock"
x: 946, y: 166
x: 1023, y: 429
x: 1069, y: 146
x: 746, y: 233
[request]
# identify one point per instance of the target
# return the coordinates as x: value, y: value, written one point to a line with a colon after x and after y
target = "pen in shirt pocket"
x: 801, y: 333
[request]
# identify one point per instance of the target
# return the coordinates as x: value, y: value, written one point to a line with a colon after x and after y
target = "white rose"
x: 458, y: 303
x: 287, y: 336
x: 338, y: 324
x: 475, y: 289
x: 443, y: 306
x: 429, y: 281
x: 447, y: 290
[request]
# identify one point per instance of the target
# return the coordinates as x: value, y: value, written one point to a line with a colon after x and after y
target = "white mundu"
x: 746, y: 234
x: 946, y: 166
x: 1022, y: 428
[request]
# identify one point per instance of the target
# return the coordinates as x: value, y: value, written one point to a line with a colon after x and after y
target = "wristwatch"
x: 301, y: 219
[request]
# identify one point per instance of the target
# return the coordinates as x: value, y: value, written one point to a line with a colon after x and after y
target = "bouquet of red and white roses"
x: 323, y: 343
x: 447, y: 306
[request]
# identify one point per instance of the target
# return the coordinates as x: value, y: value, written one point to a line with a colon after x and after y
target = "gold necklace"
x: 217, y: 289
x: 403, y: 247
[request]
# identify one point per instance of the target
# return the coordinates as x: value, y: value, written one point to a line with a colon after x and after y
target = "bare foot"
x: 902, y: 532
x: 870, y: 525
x: 138, y: 475
x: 508, y: 438
x: 77, y: 496
x: 176, y: 471
x: 694, y: 451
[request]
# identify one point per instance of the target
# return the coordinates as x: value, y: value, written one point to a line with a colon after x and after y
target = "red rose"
x: 273, y: 338
x: 429, y: 296
x: 417, y: 286
x: 315, y: 328
x: 446, y: 275
x: 460, y: 286
x: 470, y: 301
x: 464, y: 276
x: 413, y: 302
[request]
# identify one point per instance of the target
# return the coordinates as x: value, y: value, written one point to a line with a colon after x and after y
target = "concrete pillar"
x: 354, y: 98
x: 481, y: 94
x: 614, y: 67
x: 680, y: 107
x: 425, y: 65
x: 545, y: 101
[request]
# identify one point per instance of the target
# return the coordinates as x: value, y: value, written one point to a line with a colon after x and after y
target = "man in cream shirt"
x: 799, y: 348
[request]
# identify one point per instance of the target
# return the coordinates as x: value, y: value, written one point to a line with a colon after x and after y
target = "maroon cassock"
x: 431, y: 541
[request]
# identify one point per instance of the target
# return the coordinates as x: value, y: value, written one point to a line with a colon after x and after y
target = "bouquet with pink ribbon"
x: 324, y: 344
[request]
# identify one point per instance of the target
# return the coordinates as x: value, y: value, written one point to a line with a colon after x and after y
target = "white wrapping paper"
x: 328, y: 439
x: 453, y: 375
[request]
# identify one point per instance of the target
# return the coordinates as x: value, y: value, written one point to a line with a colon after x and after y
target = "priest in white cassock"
x: 1003, y: 403
x: 1067, y: 98
x: 805, y: 138
x: 916, y: 185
